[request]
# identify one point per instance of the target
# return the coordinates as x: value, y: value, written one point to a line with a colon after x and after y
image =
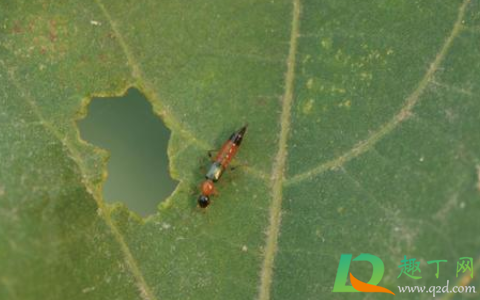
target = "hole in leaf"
x: 137, y: 141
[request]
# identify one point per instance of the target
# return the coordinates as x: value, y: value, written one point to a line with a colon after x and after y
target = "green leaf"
x: 363, y: 138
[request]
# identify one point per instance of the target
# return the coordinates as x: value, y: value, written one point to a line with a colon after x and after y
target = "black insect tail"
x: 237, y: 136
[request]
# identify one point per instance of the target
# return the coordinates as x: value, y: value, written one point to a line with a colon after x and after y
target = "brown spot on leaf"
x: 111, y: 35
x: 17, y: 29
x: 31, y: 26
x: 102, y: 57
x: 53, y: 31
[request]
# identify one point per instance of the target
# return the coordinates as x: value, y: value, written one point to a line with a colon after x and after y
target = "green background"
x: 363, y: 138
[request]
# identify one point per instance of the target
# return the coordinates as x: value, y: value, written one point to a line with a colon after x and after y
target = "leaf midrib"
x: 278, y: 170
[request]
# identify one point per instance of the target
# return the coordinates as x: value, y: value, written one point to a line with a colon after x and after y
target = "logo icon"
x: 357, y: 285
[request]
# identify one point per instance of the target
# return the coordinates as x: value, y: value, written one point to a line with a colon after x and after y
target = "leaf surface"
x: 363, y: 138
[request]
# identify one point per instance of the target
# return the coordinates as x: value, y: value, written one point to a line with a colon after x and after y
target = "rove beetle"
x: 218, y: 166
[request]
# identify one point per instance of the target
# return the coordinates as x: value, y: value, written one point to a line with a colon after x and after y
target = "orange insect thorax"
x: 208, y: 188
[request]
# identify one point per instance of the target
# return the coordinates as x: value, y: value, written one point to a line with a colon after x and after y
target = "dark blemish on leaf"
x: 111, y: 35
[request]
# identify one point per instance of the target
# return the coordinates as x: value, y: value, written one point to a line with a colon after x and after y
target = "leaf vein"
x: 403, y: 114
x: 146, y: 86
x: 104, y: 211
x: 151, y: 93
x: 278, y: 169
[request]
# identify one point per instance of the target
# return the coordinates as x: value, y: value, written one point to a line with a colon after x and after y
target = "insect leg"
x: 211, y: 154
